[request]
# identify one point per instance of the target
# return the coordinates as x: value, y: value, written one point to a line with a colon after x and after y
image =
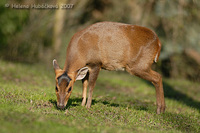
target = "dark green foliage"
x: 11, y: 22
x: 25, y: 34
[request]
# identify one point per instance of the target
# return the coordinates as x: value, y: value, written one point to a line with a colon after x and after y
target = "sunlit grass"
x: 121, y: 103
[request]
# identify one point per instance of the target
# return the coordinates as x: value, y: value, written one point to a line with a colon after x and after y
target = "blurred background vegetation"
x: 39, y: 35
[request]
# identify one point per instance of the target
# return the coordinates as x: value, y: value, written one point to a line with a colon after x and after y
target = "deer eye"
x: 56, y: 89
x: 69, y: 89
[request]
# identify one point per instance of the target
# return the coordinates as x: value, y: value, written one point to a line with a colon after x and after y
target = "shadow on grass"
x: 77, y: 101
x: 73, y: 102
x: 139, y: 105
x: 175, y: 121
x: 109, y: 104
x: 174, y: 94
x: 171, y: 93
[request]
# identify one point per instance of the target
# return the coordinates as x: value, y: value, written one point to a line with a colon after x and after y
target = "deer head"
x: 65, y: 82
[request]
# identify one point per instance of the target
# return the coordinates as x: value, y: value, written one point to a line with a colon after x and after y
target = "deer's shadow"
x: 171, y: 93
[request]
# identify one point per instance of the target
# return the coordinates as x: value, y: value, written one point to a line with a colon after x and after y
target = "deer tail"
x: 158, y: 51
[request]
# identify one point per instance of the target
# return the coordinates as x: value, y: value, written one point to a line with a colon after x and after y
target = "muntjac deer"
x: 110, y: 46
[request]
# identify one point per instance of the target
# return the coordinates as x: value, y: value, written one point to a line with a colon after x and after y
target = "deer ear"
x: 55, y: 64
x: 82, y: 73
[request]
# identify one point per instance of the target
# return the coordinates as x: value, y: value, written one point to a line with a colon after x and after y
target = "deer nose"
x: 61, y: 106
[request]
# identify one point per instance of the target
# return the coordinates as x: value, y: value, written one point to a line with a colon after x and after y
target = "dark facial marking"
x: 69, y: 89
x: 56, y: 89
x: 65, y: 77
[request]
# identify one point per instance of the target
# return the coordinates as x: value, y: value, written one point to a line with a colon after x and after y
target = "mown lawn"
x: 121, y: 103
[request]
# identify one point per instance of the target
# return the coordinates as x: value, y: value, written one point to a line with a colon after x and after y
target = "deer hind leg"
x: 93, y: 74
x: 156, y: 79
x: 85, y: 85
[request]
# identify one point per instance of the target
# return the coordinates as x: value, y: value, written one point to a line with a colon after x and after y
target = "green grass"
x: 121, y: 103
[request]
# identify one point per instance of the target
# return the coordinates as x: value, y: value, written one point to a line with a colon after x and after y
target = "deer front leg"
x: 93, y: 74
x: 85, y: 85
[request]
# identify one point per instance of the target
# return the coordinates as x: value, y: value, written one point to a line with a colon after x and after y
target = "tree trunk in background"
x: 58, y: 27
x: 193, y: 54
x: 146, y: 15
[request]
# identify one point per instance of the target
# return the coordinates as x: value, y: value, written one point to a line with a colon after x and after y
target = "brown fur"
x: 114, y: 46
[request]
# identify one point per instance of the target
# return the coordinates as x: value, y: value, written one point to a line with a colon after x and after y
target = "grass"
x: 121, y: 103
